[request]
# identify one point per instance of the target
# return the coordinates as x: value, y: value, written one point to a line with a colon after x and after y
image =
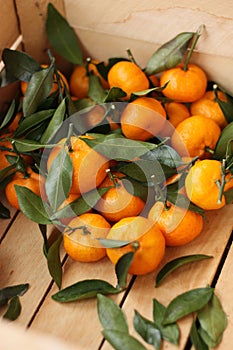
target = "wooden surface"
x: 22, y: 261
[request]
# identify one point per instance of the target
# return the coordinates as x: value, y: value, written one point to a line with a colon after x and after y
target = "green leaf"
x: 169, y: 54
x: 226, y: 107
x: 20, y: 64
x: 113, y: 243
x: 38, y: 89
x: 26, y: 145
x: 32, y: 121
x: 122, y: 269
x: 8, y: 115
x: 4, y: 212
x: 55, y: 123
x: 8, y: 293
x: 59, y: 179
x: 114, y: 94
x: 147, y: 330
x: 224, y: 140
x: 43, y: 230
x: 176, y: 263
x: 84, y: 290
x: 164, y: 155
x: 14, y: 309
x: 187, y: 303
x: 121, y: 340
x: 207, y: 340
x: 96, y: 92
x: 33, y: 206
x: 169, y: 332
x: 54, y: 262
x: 110, y: 314
x: 213, y: 319
x: 229, y: 196
x: 196, y: 340
x: 62, y: 37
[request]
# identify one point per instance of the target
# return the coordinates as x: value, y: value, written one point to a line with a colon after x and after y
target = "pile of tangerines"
x: 182, y: 112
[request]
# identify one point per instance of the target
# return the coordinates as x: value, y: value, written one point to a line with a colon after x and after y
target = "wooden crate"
x: 105, y: 31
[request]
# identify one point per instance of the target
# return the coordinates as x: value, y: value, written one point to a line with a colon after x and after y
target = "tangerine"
x: 176, y: 113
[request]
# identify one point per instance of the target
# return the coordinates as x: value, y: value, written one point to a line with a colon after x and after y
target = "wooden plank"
x: 6, y: 222
x: 212, y: 241
x: 8, y: 25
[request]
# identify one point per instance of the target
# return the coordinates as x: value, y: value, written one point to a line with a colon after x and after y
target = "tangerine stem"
x: 112, y: 177
x: 135, y: 245
x: 132, y: 59
x: 221, y: 184
x: 194, y: 43
x: 159, y: 193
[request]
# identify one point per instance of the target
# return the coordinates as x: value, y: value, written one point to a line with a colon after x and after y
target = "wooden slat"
x: 6, y: 222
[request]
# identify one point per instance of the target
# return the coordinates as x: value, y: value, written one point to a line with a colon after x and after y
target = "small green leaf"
x: 14, y: 309
x: 113, y: 243
x: 96, y: 92
x: 43, y: 230
x: 164, y: 155
x: 4, y: 212
x: 62, y: 37
x: 147, y: 330
x: 187, y: 303
x: 55, y: 123
x: 226, y: 107
x: 176, y: 263
x: 110, y: 314
x: 84, y: 290
x: 169, y: 332
x: 38, y: 89
x: 54, y: 262
x: 59, y: 179
x: 196, y: 340
x: 33, y: 206
x: 114, y: 94
x: 121, y: 340
x: 224, y: 140
x: 26, y: 145
x: 169, y: 54
x: 8, y: 293
x: 122, y: 269
x: 8, y: 115
x: 213, y: 319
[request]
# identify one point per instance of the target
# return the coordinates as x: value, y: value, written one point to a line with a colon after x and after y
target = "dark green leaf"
x: 8, y: 115
x: 14, y: 309
x: 121, y: 340
x: 229, y: 196
x: 96, y: 92
x: 110, y: 314
x: 33, y: 120
x: 196, y: 340
x: 169, y: 332
x: 20, y: 64
x: 114, y: 94
x: 8, y: 293
x: 147, y: 330
x: 226, y: 107
x: 164, y: 155
x: 38, y: 89
x: 122, y: 269
x: 207, y: 340
x: 43, y: 230
x: 4, y: 212
x: 62, y: 37
x: 186, y: 303
x: 176, y: 263
x: 54, y: 262
x: 59, y: 179
x: 213, y: 319
x: 84, y: 290
x: 136, y: 188
x: 225, y: 138
x: 169, y: 54
x: 55, y: 123
x: 26, y: 145
x: 33, y: 206
x: 113, y: 243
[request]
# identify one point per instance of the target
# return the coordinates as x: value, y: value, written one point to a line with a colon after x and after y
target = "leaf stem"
x: 130, y: 55
x: 194, y: 43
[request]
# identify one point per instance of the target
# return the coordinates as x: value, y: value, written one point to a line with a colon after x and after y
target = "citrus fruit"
x: 15, y: 122
x: 71, y: 198
x: 202, y: 184
x: 89, y: 166
x: 127, y: 76
x: 184, y: 85
x: 176, y: 113
x: 209, y: 107
x: 178, y: 225
x: 196, y: 136
x: 81, y: 243
x: 143, y: 118
x: 117, y: 202
x: 145, y: 239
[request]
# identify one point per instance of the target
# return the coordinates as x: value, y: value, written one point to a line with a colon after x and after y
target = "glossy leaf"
x: 122, y: 269
x: 20, y: 64
x: 169, y: 332
x: 169, y: 54
x: 96, y: 92
x: 110, y: 314
x: 8, y: 115
x: 213, y: 319
x: 165, y: 155
x: 225, y: 138
x: 4, y: 212
x: 33, y: 206
x: 121, y: 340
x: 55, y: 123
x: 59, y: 179
x: 186, y: 303
x: 195, y: 338
x: 84, y: 290
x: 54, y: 262
x: 38, y: 89
x: 8, y: 293
x: 147, y: 330
x: 62, y: 37
x: 32, y: 121
x: 176, y: 263
x: 14, y: 309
